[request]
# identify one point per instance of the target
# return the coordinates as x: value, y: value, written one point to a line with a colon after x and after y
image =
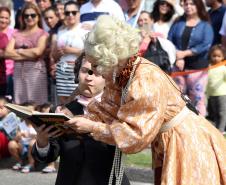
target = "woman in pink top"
x: 26, y: 48
x: 9, y: 64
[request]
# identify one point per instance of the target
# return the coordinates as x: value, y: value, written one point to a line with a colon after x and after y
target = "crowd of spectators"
x: 42, y: 39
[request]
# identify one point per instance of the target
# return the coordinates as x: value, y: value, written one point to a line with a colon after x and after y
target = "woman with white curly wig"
x: 141, y: 105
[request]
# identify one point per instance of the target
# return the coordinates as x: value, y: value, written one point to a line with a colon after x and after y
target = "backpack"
x: 156, y: 54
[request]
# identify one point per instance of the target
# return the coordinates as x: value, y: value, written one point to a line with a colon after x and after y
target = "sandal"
x: 49, y: 169
x: 26, y: 169
x: 17, y: 166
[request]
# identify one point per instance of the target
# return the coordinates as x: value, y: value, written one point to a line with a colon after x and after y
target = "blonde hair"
x: 111, y: 40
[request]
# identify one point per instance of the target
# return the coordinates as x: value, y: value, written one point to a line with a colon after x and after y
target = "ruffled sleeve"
x: 138, y: 120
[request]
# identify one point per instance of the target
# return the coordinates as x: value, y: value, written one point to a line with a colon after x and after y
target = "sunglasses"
x: 68, y: 13
x: 32, y: 15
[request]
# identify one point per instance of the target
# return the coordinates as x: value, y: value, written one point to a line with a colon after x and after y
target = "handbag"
x: 156, y: 54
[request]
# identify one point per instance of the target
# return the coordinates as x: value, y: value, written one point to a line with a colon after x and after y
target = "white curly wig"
x: 111, y: 40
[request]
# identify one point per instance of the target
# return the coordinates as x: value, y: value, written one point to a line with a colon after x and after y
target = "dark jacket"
x: 83, y: 161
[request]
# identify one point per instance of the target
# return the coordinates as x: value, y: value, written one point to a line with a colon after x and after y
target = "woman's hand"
x: 180, y: 64
x: 62, y: 109
x: 81, y: 124
x: 180, y: 55
x: 60, y: 52
x: 44, y: 133
x: 53, y: 71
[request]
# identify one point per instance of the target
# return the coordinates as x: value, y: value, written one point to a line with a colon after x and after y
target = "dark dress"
x: 83, y: 161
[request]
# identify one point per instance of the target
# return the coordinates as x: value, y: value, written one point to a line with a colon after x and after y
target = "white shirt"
x: 29, y: 130
x: 74, y: 38
x: 89, y: 12
x: 162, y: 28
x: 223, y: 26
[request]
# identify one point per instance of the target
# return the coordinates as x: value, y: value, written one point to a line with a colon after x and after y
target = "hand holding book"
x: 81, y: 124
x: 44, y: 133
x: 37, y: 118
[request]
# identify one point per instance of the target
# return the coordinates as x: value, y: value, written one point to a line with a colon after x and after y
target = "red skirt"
x: 4, y: 152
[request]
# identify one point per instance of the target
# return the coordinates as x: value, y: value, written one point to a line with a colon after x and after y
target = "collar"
x: 85, y: 101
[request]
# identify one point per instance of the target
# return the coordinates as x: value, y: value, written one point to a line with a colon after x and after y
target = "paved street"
x: 9, y: 177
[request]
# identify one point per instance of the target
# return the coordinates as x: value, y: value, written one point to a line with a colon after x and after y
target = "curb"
x: 140, y: 174
x: 134, y: 174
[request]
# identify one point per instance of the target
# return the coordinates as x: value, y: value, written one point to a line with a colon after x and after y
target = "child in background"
x: 3, y: 82
x: 4, y: 140
x: 50, y: 168
x: 216, y: 88
x: 20, y: 146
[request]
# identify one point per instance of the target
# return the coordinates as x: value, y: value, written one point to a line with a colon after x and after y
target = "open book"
x: 39, y: 118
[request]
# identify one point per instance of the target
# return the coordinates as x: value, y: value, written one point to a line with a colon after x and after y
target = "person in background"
x: 145, y: 19
x: 5, y: 15
x: 192, y: 51
x: 54, y: 24
x: 18, y: 18
x: 59, y: 8
x: 4, y: 140
x: 162, y: 14
x: 18, y: 4
x: 43, y: 5
x: 83, y: 161
x: 94, y: 8
x: 26, y: 48
x: 9, y: 4
x: 145, y: 24
x: 141, y: 105
x: 216, y: 88
x: 3, y: 81
x: 52, y: 20
x: 216, y: 13
x: 69, y: 45
x: 20, y: 147
x: 131, y: 13
x: 45, y: 108
x: 223, y: 31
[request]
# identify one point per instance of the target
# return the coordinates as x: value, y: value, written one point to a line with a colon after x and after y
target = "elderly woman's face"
x: 143, y: 19
x: 91, y: 83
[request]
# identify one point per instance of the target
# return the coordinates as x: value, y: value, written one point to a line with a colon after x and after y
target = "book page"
x: 10, y: 123
x: 20, y: 111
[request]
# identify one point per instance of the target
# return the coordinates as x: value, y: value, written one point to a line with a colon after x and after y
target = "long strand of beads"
x: 117, y: 166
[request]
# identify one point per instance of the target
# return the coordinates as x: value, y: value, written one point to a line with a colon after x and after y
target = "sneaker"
x: 17, y: 166
x: 49, y: 169
x: 26, y: 169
